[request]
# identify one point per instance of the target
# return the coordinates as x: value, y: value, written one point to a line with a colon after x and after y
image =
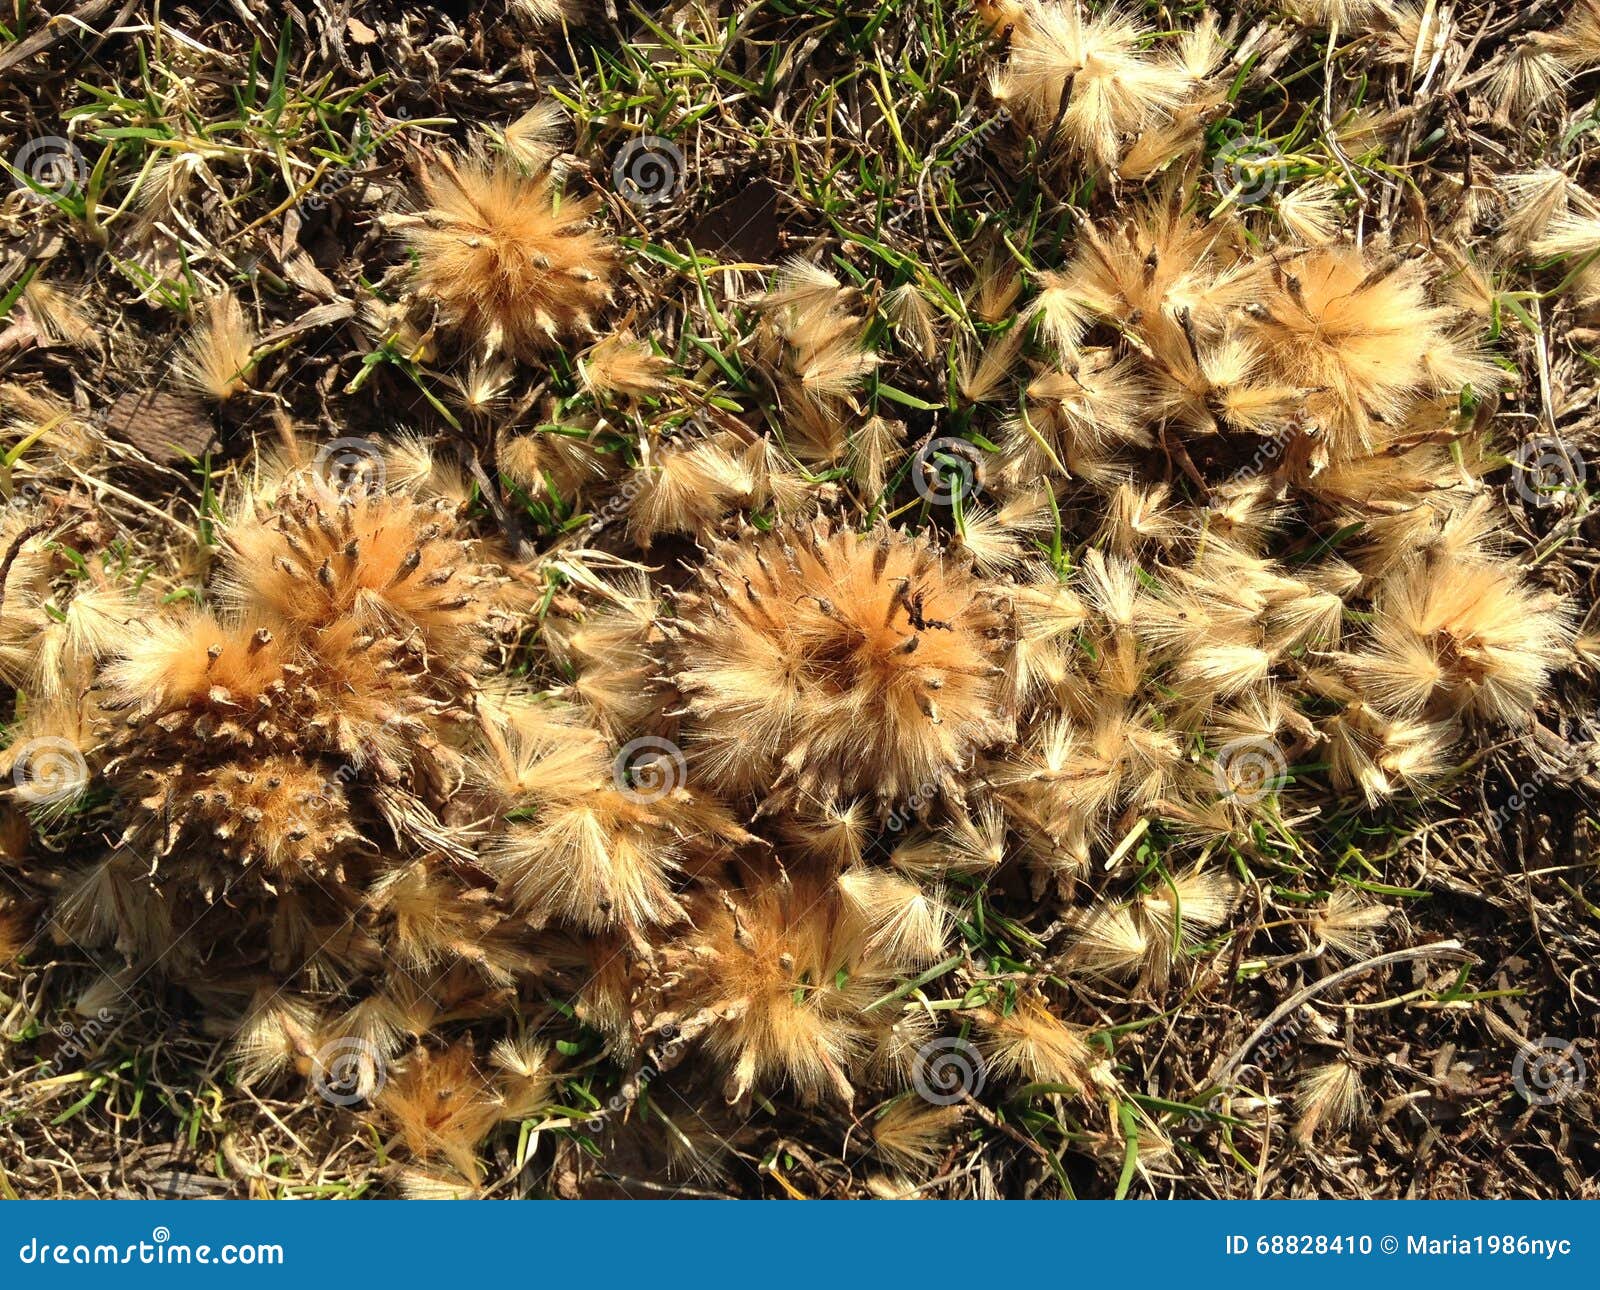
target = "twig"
x: 1441, y: 949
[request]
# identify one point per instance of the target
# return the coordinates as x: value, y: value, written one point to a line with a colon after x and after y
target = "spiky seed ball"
x: 195, y: 660
x: 213, y: 752
x: 831, y: 664
x: 386, y: 563
x: 283, y: 812
x: 353, y: 622
x: 509, y: 260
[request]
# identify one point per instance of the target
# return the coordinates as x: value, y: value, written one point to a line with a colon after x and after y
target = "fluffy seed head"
x: 781, y: 966
x: 1460, y: 637
x: 1031, y: 1043
x: 312, y: 557
x: 837, y: 664
x: 215, y: 361
x: 1358, y: 336
x: 1086, y: 77
x: 509, y: 260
